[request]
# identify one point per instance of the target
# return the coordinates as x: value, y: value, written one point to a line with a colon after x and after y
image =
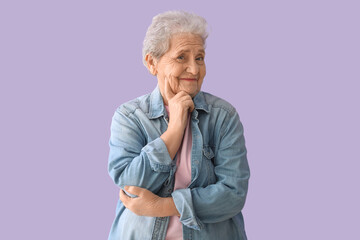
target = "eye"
x: 200, y: 59
x: 181, y: 57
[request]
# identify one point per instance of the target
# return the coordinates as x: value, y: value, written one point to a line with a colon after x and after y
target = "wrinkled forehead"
x: 186, y: 42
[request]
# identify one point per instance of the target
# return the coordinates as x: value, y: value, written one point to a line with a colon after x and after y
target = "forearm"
x: 172, y: 139
x: 224, y: 202
x: 147, y: 203
x: 180, y: 105
x: 207, y: 205
x: 168, y: 207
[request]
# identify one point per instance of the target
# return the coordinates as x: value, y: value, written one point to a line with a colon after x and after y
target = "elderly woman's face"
x: 183, y: 65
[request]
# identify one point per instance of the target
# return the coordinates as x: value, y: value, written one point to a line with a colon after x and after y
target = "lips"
x: 188, y: 79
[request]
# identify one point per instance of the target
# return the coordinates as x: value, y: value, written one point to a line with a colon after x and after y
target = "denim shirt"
x: 210, y: 207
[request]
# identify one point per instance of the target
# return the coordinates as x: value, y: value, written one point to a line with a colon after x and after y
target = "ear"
x: 151, y: 64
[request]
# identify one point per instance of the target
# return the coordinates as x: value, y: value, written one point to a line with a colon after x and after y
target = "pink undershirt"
x: 182, y: 178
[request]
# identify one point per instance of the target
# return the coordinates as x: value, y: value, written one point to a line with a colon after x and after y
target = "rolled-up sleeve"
x: 225, y: 198
x: 184, y: 204
x: 158, y: 155
x: 133, y: 161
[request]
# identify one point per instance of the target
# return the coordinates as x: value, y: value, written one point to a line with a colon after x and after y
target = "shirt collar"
x: 157, y: 108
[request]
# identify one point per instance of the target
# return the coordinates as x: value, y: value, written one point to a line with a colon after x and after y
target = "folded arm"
x: 214, y: 203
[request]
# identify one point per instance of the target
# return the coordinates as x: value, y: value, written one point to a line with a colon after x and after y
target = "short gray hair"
x: 164, y: 25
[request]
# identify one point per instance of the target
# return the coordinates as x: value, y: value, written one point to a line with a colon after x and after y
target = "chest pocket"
x: 208, y: 161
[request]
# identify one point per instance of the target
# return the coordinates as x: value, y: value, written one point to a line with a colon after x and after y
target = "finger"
x: 182, y: 94
x: 138, y: 191
x: 189, y: 104
x: 192, y: 106
x: 169, y: 94
x: 123, y: 196
x: 185, y: 101
x: 185, y: 98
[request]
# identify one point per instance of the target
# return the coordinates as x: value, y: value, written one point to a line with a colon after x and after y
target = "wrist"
x: 175, y: 130
x: 168, y: 207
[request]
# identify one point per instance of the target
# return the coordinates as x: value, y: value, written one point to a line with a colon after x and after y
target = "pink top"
x: 182, y: 179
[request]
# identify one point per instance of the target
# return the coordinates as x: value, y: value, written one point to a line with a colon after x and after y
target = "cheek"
x: 203, y: 70
x: 202, y: 73
x: 171, y: 74
x: 176, y: 70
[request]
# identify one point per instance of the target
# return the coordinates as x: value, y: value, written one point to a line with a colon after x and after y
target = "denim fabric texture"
x: 210, y: 207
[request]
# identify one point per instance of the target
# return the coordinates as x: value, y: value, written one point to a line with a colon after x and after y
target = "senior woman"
x: 178, y: 154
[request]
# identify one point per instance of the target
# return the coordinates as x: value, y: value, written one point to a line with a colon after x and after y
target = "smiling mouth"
x: 188, y: 79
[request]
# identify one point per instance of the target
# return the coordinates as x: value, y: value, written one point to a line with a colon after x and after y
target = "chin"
x: 193, y: 94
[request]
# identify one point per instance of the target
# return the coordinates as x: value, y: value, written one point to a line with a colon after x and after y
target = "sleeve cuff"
x: 158, y: 156
x: 183, y: 203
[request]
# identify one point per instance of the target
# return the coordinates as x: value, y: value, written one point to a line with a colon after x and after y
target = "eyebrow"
x: 186, y: 51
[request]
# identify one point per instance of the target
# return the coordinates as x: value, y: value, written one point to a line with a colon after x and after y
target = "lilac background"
x: 291, y: 68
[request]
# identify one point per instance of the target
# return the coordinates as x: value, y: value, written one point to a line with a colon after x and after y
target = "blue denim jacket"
x: 210, y: 207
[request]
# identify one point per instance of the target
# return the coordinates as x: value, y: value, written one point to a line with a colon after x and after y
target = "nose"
x: 192, y: 67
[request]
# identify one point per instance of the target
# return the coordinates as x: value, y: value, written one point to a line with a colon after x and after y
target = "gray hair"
x: 164, y: 25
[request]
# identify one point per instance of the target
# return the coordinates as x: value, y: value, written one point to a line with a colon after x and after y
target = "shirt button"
x: 170, y: 190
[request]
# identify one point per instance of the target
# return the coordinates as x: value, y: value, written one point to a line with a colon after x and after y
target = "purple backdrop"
x: 290, y: 68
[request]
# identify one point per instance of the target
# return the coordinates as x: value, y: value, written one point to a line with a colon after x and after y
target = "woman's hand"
x: 180, y: 105
x: 147, y: 203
